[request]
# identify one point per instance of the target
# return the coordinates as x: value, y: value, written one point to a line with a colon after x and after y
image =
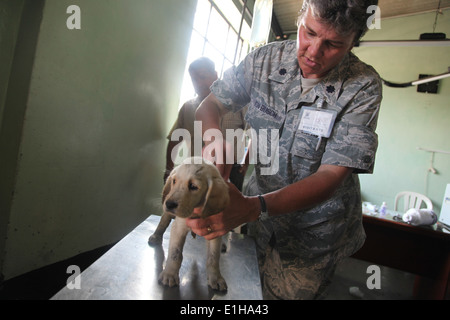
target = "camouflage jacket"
x: 269, y: 81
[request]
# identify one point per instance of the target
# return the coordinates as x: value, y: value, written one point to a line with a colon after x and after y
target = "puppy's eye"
x: 192, y: 186
x: 173, y: 181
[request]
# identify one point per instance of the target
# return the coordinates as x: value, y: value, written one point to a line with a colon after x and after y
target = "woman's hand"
x: 240, y: 210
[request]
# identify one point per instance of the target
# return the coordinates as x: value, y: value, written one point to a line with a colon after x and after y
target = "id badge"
x: 318, y: 122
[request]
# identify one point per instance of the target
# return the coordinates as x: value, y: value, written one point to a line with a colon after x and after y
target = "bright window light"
x: 215, y: 35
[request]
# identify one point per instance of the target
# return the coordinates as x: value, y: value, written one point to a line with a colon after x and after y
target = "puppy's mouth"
x: 172, y: 214
x: 175, y: 211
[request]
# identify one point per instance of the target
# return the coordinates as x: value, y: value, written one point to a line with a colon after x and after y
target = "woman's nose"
x: 315, y: 49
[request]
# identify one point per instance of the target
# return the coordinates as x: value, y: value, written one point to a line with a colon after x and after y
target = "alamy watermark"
x: 74, y: 20
x: 374, y: 280
x: 374, y: 21
x: 263, y: 149
x: 74, y: 281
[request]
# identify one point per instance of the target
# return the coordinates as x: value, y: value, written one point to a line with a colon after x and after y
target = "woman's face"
x: 320, y: 48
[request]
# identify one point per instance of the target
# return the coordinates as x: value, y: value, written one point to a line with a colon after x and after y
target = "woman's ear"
x: 217, y: 197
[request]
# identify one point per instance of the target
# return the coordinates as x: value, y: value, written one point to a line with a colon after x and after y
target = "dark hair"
x: 345, y: 16
x: 203, y: 63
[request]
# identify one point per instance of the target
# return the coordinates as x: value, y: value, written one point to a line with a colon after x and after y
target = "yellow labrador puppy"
x: 196, y: 182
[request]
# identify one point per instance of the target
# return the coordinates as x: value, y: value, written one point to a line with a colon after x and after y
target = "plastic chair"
x: 412, y: 200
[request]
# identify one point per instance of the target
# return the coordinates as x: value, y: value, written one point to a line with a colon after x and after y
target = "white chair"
x: 412, y: 200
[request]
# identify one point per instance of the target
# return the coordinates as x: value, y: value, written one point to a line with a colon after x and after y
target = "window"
x: 221, y: 32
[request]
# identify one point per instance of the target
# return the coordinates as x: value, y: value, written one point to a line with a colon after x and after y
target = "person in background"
x: 323, y: 102
x: 203, y: 74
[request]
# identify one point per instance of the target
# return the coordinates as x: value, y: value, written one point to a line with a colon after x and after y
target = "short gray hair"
x: 345, y: 16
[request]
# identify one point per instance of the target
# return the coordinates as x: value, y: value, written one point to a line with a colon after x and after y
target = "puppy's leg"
x: 169, y: 276
x: 215, y: 279
x: 157, y: 236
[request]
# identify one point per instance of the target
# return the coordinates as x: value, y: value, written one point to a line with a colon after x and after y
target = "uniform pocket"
x: 305, y: 158
x: 306, y: 146
x: 352, y: 146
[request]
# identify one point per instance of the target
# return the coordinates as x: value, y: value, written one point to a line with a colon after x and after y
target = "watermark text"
x: 231, y: 149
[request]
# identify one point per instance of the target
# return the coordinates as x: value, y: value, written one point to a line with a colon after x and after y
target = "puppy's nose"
x: 171, y: 205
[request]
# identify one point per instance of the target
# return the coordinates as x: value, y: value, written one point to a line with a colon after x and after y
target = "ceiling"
x: 286, y: 11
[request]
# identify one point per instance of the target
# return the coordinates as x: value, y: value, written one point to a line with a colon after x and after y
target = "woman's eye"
x: 333, y: 45
x: 192, y: 186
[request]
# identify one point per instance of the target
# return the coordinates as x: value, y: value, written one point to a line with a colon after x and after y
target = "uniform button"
x: 283, y: 71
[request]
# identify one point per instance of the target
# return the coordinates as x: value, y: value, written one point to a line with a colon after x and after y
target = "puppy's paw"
x: 217, y: 282
x: 155, y: 240
x: 169, y: 279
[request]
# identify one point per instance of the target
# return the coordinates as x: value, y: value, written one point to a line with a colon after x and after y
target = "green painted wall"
x: 409, y: 119
x: 87, y: 164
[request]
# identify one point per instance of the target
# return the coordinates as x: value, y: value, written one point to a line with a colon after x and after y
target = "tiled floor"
x: 353, y: 273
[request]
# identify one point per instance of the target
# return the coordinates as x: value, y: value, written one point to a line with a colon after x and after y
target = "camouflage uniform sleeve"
x: 234, y: 89
x: 354, y: 142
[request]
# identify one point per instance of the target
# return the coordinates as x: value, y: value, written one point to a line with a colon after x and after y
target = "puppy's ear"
x: 166, y: 188
x: 217, y: 197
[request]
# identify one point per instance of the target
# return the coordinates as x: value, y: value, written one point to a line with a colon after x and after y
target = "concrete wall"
x: 84, y: 118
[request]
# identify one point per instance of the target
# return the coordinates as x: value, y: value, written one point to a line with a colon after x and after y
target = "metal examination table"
x: 130, y: 270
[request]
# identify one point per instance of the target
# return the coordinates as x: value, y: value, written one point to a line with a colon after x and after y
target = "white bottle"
x: 383, y: 209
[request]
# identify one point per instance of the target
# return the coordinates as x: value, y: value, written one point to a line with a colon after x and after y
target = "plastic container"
x: 383, y: 209
x: 422, y: 217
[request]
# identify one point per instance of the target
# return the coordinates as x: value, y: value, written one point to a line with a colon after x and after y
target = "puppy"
x: 194, y: 183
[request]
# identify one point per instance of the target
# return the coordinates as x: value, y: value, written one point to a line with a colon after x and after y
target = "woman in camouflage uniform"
x: 323, y: 103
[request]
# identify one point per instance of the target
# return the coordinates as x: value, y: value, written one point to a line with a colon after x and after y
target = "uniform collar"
x: 286, y: 71
x: 330, y: 87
